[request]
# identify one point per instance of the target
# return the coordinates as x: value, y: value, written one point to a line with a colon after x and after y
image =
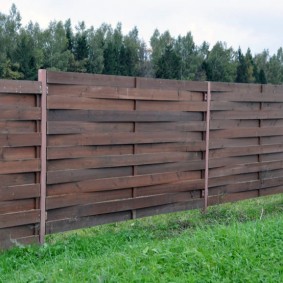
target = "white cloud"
x: 247, y: 23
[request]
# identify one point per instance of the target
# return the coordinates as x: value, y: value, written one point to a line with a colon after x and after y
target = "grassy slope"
x: 240, y: 242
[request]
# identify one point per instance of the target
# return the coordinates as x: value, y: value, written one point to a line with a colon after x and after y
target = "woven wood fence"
x: 78, y: 150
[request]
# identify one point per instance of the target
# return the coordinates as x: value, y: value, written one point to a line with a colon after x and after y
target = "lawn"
x: 239, y: 242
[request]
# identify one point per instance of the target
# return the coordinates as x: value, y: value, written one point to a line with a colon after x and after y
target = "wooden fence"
x: 118, y: 148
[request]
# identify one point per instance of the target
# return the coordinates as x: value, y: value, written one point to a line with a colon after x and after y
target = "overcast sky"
x: 256, y: 24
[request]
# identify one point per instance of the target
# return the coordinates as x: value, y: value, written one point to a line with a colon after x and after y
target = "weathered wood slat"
x: 19, y: 113
x: 246, y: 168
x: 89, y: 79
x: 188, y: 126
x: 117, y: 183
x: 246, y: 150
x: 169, y: 208
x: 61, y: 201
x: 117, y: 206
x: 120, y: 138
x: 19, y: 218
x: 72, y: 102
x: 121, y: 116
x: 120, y: 160
x: 23, y: 139
x: 9, y: 86
x: 82, y: 222
x: 16, y: 100
x: 73, y: 127
x: 20, y: 166
x: 194, y: 106
x: 86, y: 151
x: 57, y: 177
x: 16, y: 205
x: 12, y: 127
x: 260, y: 114
x: 19, y: 192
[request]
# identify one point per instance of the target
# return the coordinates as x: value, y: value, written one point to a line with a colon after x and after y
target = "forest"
x: 106, y: 50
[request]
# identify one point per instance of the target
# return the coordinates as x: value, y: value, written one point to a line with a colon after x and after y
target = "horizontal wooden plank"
x: 57, y: 177
x: 194, y: 106
x: 72, y: 102
x: 117, y: 183
x: 215, y: 200
x: 16, y: 205
x: 65, y: 200
x: 89, y: 79
x: 20, y: 113
x: 13, y: 127
x: 86, y: 151
x: 19, y: 218
x: 233, y: 106
x: 73, y: 127
x: 120, y: 160
x: 16, y: 232
x: 246, y: 96
x: 16, y: 100
x: 9, y: 86
x: 239, y: 142
x: 172, y: 84
x: 260, y: 114
x: 121, y: 116
x: 116, y: 206
x: 246, y: 168
x: 247, y: 132
x: 83, y: 222
x: 20, y: 166
x: 194, y: 186
x: 246, y: 150
x: 271, y: 191
x: 169, y: 208
x: 196, y: 146
x: 235, y: 88
x: 247, y: 186
x: 237, y: 123
x: 17, y: 153
x: 17, y: 179
x: 19, y: 192
x: 232, y: 179
x: 229, y: 161
x: 119, y: 93
x: 120, y: 138
x: 189, y: 126
x: 170, y: 167
x: 23, y: 139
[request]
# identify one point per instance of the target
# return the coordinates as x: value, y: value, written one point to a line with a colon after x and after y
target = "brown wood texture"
x: 20, y: 140
x: 121, y: 147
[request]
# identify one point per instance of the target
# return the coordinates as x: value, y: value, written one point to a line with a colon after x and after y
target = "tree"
x: 55, y: 48
x: 220, y: 64
x: 169, y: 64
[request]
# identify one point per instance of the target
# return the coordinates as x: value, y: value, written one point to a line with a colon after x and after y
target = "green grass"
x: 240, y: 242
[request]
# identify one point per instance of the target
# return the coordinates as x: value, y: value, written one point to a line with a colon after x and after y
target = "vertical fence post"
x: 42, y: 78
x: 206, y: 176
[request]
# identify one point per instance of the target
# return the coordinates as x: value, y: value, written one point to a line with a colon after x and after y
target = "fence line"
x: 79, y: 150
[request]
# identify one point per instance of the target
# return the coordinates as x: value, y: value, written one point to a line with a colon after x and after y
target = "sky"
x: 256, y: 24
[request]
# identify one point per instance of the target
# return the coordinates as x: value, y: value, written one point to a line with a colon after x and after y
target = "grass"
x: 240, y: 242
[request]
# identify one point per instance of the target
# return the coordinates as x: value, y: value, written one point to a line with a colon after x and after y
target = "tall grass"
x: 240, y: 242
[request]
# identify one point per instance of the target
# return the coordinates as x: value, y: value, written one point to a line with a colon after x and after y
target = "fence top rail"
x: 9, y: 86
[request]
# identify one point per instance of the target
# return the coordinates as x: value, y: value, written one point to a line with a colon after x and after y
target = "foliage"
x: 106, y: 50
x: 240, y: 242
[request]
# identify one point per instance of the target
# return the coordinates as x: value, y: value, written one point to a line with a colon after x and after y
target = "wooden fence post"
x: 42, y: 78
x: 206, y: 176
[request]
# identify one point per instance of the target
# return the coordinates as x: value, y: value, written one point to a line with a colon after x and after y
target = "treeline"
x: 106, y: 50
